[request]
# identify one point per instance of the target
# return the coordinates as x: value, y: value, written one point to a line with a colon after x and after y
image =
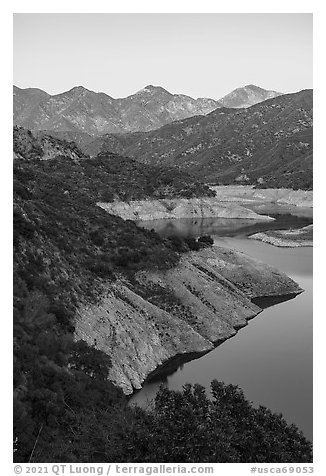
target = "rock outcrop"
x: 179, y: 208
x: 42, y: 146
x: 248, y: 194
x: 183, y: 311
x: 287, y: 238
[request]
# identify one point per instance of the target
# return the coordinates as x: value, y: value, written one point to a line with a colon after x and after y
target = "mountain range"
x: 269, y: 144
x: 81, y: 111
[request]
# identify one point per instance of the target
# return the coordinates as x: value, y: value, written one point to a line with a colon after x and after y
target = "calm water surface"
x: 271, y: 358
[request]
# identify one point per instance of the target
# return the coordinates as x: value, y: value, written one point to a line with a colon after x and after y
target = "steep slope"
x: 247, y: 96
x: 153, y: 106
x: 26, y: 103
x: 83, y: 111
x: 178, y: 313
x: 42, y: 146
x: 269, y: 144
x: 81, y: 139
x: 76, y: 110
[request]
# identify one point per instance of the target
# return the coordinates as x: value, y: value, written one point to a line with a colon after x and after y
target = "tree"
x: 89, y: 360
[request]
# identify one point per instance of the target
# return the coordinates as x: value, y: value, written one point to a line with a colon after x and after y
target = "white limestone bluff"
x: 243, y: 194
x: 213, y: 291
x: 205, y: 207
x: 230, y: 202
x: 287, y: 238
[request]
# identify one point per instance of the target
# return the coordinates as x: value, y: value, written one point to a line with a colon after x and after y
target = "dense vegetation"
x: 108, y: 176
x: 65, y: 409
x: 189, y: 427
x: 74, y: 415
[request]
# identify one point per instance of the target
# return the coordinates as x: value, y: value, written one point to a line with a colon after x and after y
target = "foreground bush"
x: 183, y: 427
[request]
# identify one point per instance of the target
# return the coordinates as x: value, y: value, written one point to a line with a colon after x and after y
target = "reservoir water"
x: 271, y: 358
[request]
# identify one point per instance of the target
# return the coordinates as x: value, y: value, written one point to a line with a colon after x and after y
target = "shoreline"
x: 229, y: 203
x: 279, y: 196
x: 222, y: 288
x: 215, y: 288
x: 302, y: 237
x: 205, y: 207
x: 171, y: 365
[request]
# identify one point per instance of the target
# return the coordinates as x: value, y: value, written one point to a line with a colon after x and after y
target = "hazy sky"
x: 203, y: 55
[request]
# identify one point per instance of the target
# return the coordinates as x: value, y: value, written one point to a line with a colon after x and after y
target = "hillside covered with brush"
x: 268, y: 144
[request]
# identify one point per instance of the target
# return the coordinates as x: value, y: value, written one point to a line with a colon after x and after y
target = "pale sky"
x: 202, y: 55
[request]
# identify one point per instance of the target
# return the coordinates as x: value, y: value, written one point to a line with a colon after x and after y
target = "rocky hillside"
x: 79, y: 113
x: 287, y: 238
x: 269, y: 144
x: 107, y: 177
x: 26, y: 102
x: 169, y: 209
x: 154, y: 106
x: 82, y: 111
x: 247, y: 96
x: 159, y: 315
x: 42, y: 146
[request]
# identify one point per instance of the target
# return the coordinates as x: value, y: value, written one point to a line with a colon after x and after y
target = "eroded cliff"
x: 243, y: 194
x: 144, y: 322
x: 179, y: 208
x: 287, y: 238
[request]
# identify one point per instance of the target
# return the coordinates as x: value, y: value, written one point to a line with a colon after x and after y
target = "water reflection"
x: 187, y: 227
x: 271, y: 358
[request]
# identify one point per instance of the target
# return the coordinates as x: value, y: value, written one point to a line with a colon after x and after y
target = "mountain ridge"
x: 247, y: 96
x: 268, y: 144
x: 82, y: 110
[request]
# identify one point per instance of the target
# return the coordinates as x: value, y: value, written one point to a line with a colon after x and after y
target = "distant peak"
x: 147, y: 89
x: 16, y: 88
x: 78, y: 89
x: 152, y: 89
x: 253, y: 86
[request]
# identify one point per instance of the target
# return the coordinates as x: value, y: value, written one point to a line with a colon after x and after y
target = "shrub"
x: 177, y: 243
x: 206, y: 240
x: 190, y: 427
x: 192, y: 244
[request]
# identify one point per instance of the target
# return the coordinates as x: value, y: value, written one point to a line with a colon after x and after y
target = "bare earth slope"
x: 287, y: 238
x: 213, y: 287
x: 204, y: 207
x: 247, y: 194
